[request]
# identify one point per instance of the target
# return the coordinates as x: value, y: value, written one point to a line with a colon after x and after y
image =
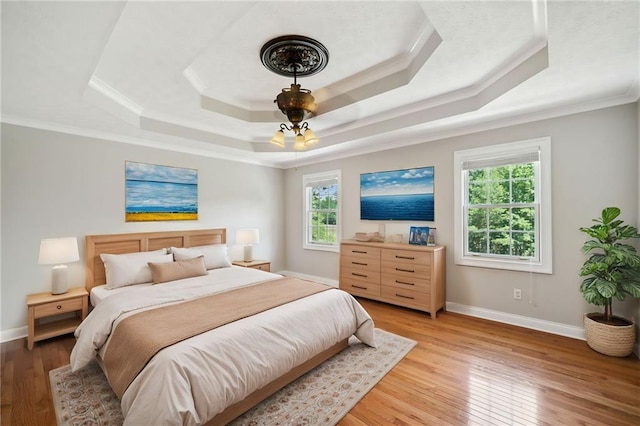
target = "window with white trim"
x: 503, y: 206
x: 322, y: 210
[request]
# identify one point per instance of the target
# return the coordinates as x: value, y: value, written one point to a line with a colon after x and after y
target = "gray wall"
x: 57, y: 185
x: 594, y: 164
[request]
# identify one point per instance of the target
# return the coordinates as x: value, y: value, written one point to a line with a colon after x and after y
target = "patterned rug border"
x: 265, y: 413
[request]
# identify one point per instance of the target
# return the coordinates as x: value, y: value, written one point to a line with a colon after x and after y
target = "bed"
x: 214, y: 374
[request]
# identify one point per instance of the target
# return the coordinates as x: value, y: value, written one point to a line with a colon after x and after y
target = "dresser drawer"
x: 406, y: 283
x: 361, y: 274
x: 361, y: 252
x: 408, y: 298
x: 406, y: 257
x: 58, y: 307
x: 363, y: 263
x: 410, y: 272
x: 359, y: 288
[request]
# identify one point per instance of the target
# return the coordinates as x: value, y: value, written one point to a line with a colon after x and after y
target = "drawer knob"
x: 359, y: 263
x: 359, y: 251
x: 59, y: 307
x: 404, y: 282
x: 405, y: 257
x: 357, y: 286
x: 359, y: 275
x: 405, y: 270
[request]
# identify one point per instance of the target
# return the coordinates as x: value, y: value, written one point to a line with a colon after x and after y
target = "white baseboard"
x: 519, y: 320
x: 13, y: 334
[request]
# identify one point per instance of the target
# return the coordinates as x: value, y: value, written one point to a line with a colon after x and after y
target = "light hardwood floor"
x: 463, y: 371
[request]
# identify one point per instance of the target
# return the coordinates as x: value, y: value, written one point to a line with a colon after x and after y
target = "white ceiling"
x: 187, y: 76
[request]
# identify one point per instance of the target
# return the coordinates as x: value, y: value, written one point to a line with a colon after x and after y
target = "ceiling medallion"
x: 297, y: 56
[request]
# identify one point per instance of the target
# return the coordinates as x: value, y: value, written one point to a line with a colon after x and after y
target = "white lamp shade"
x: 54, y: 251
x: 247, y: 236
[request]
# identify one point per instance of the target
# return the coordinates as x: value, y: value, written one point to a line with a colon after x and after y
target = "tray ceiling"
x: 187, y: 76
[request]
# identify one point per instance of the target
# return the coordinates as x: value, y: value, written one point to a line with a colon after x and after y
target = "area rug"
x: 321, y: 397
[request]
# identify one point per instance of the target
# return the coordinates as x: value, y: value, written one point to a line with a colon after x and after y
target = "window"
x: 322, y: 211
x: 503, y: 206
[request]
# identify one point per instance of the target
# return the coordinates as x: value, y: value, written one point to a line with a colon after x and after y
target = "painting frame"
x: 398, y: 195
x: 419, y: 235
x: 155, y: 192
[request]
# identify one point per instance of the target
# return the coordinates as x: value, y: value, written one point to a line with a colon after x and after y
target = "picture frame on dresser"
x: 419, y: 235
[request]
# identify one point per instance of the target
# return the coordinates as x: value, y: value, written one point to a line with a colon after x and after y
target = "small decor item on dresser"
x: 431, y: 238
x: 371, y: 236
x: 418, y: 235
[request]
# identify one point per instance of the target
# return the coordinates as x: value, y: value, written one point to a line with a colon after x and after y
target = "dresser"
x: 402, y: 274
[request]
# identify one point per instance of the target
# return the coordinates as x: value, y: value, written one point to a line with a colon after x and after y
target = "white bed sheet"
x: 101, y: 292
x: 192, y: 381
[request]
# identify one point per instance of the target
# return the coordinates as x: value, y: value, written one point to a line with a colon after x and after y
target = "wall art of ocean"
x: 415, y: 207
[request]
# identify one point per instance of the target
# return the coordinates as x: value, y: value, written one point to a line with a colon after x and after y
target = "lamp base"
x: 59, y: 279
x: 248, y: 253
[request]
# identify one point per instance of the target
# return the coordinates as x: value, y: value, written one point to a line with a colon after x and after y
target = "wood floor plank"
x: 463, y: 371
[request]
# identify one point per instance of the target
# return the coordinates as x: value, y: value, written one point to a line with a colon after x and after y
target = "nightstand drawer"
x: 264, y: 267
x: 58, y: 307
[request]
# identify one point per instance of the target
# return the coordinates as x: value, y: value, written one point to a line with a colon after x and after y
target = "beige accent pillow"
x: 163, y: 272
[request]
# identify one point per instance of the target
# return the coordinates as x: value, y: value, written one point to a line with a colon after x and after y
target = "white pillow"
x: 131, y: 268
x: 215, y: 255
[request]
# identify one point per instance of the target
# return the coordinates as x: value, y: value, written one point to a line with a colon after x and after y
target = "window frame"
x: 544, y: 263
x: 308, y: 181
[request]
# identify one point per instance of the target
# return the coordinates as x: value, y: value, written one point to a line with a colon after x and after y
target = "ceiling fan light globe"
x: 310, y: 138
x: 299, y: 143
x: 278, y: 139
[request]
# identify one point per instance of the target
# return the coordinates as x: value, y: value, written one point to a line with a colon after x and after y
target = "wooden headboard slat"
x: 95, y: 245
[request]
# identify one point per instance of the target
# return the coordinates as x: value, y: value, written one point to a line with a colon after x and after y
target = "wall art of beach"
x: 158, y: 193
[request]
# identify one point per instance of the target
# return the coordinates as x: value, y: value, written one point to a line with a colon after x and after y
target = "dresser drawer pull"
x: 405, y: 257
x: 404, y: 282
x: 359, y: 263
x: 405, y: 297
x: 359, y: 275
x: 405, y: 270
x: 360, y: 287
x: 59, y: 307
x: 358, y: 251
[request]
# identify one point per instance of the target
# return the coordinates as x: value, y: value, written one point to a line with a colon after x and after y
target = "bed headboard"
x: 95, y: 245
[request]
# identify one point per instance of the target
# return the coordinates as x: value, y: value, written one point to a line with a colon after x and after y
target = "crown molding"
x: 190, y: 147
x: 438, y: 131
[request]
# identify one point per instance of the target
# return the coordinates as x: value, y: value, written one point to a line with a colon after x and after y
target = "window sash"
x: 329, y: 233
x: 519, y: 158
x: 538, y: 220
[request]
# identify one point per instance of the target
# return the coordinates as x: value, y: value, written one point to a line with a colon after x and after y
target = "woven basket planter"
x: 612, y: 340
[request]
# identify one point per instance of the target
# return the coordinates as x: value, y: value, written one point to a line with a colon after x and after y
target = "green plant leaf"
x: 609, y: 214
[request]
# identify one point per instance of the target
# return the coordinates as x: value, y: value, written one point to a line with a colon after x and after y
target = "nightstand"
x: 49, y: 306
x: 263, y: 265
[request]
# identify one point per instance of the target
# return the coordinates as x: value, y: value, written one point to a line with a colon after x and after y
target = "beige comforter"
x: 192, y: 381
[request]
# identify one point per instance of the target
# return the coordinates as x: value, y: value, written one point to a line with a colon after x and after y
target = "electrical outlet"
x: 517, y: 293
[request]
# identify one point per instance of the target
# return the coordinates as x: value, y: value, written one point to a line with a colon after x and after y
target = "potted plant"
x: 612, y: 270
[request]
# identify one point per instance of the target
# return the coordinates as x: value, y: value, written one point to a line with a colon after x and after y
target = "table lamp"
x: 57, y: 251
x: 247, y: 237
